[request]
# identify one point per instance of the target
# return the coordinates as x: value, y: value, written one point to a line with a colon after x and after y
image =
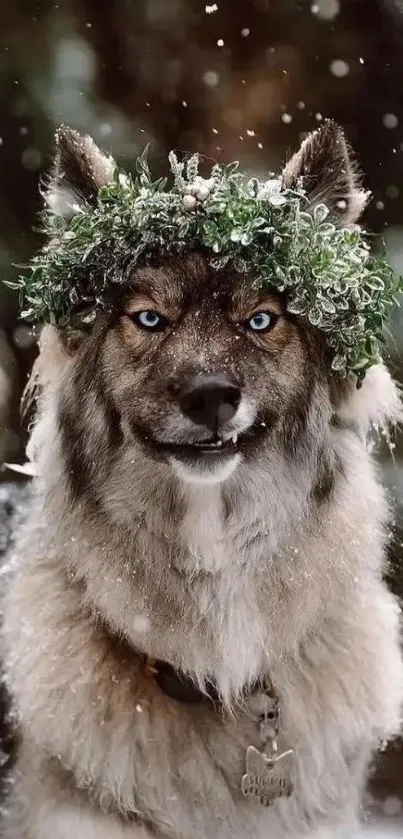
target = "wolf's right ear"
x: 324, y: 166
x: 79, y: 170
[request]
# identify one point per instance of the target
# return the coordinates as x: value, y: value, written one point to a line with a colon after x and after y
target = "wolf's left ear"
x: 325, y: 168
x: 79, y: 170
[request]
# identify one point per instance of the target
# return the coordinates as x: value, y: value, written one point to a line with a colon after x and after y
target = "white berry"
x: 202, y: 193
x: 189, y: 202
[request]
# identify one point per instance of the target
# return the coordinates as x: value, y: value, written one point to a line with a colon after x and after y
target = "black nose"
x: 210, y: 400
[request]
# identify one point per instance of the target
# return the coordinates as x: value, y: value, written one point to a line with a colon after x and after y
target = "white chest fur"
x: 223, y: 592
x: 205, y: 541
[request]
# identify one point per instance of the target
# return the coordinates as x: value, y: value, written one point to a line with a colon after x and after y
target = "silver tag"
x: 267, y: 778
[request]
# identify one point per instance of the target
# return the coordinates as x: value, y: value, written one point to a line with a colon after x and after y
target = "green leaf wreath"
x: 327, y: 273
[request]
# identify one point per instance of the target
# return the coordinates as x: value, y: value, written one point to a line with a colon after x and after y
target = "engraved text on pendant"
x: 267, y: 778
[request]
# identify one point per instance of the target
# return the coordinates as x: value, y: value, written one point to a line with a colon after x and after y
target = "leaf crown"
x: 264, y: 228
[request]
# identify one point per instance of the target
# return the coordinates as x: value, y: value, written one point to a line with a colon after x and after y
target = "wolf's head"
x: 198, y: 375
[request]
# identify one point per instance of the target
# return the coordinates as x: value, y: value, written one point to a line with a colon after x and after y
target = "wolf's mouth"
x: 214, y: 447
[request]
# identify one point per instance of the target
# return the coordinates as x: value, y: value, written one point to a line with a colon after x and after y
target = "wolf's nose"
x: 210, y: 400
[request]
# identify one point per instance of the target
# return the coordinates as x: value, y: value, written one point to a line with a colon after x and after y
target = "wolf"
x: 208, y: 519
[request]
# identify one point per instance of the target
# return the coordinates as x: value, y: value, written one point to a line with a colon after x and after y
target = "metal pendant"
x: 267, y: 777
x: 268, y: 773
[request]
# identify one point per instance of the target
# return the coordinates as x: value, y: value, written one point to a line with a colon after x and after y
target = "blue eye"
x: 150, y: 320
x: 261, y: 322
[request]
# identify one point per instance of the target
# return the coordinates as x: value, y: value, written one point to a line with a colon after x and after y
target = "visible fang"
x: 235, y: 438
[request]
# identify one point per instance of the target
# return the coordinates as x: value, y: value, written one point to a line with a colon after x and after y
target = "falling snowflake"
x: 339, y: 68
x: 390, y: 120
x: 326, y: 9
x: 392, y: 805
x: 287, y: 118
x: 220, y: 42
x: 245, y: 32
x: 250, y: 132
x: 211, y: 9
x: 211, y: 78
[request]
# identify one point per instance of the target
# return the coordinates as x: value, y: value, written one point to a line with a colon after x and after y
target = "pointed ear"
x: 325, y: 168
x: 79, y: 170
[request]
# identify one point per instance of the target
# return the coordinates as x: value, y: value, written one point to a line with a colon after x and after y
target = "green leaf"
x: 277, y: 200
x: 338, y: 362
x: 142, y: 167
x: 320, y: 213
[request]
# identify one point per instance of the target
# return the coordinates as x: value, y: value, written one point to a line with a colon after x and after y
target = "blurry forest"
x: 235, y: 79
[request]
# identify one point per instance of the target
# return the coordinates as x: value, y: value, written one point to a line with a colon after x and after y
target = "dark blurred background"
x: 235, y: 79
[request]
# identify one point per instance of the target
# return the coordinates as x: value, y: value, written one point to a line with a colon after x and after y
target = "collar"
x: 178, y: 685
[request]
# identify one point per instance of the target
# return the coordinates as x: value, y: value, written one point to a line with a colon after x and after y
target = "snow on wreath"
x: 273, y: 233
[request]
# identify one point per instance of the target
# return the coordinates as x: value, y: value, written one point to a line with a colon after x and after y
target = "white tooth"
x: 235, y: 437
x: 219, y: 443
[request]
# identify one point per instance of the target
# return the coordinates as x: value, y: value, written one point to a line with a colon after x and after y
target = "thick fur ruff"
x: 270, y: 562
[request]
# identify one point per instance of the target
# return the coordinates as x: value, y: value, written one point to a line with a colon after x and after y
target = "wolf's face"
x: 198, y: 369
x: 201, y: 367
